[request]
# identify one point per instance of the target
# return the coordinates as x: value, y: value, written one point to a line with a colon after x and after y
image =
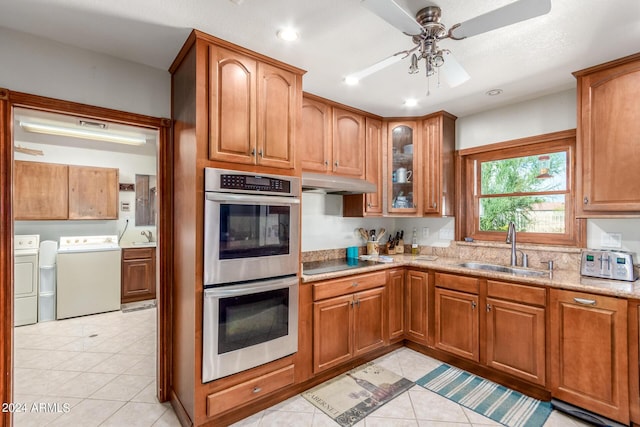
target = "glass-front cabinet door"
x: 403, y: 166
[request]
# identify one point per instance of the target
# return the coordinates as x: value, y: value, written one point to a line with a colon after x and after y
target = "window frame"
x: 468, y: 176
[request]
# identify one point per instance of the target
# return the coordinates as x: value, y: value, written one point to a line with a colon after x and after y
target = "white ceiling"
x: 338, y: 37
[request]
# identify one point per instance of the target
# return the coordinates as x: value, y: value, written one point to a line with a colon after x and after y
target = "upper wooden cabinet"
x: 607, y: 147
x: 93, y: 193
x: 438, y: 148
x: 46, y: 191
x: 369, y: 204
x: 40, y: 191
x: 253, y: 110
x: 404, y: 168
x: 316, y: 135
x: 348, y: 143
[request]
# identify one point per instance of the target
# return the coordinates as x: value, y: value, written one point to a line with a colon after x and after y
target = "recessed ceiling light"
x: 411, y: 102
x: 351, y: 80
x: 287, y: 34
x: 493, y: 92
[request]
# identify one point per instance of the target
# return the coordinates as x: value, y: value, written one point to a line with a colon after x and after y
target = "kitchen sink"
x: 504, y: 269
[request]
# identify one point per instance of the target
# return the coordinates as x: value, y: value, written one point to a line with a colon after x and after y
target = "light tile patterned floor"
x: 103, y: 368
x: 99, y: 369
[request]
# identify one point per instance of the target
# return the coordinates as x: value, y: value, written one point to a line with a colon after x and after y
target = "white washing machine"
x: 88, y: 275
x: 25, y: 279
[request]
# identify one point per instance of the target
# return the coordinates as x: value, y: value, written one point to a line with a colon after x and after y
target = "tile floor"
x: 100, y: 371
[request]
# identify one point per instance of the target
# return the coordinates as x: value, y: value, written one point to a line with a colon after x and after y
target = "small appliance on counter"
x: 607, y: 264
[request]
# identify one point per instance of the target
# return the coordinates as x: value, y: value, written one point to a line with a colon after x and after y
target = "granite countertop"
x: 562, y: 279
x: 138, y: 245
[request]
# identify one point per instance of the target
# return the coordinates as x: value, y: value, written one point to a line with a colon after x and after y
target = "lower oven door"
x: 247, y: 325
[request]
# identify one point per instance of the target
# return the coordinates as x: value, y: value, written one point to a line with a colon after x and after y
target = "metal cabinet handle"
x: 253, y: 151
x: 585, y: 301
x: 260, y: 153
x: 488, y: 308
x: 257, y: 389
x: 473, y: 304
x: 357, y: 302
x: 326, y: 162
x: 435, y: 205
x: 585, y: 200
x: 369, y: 205
x: 354, y: 284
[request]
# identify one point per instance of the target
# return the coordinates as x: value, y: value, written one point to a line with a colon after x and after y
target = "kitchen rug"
x: 503, y: 405
x: 350, y: 397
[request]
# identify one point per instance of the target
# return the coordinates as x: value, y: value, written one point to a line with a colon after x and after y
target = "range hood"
x: 333, y: 184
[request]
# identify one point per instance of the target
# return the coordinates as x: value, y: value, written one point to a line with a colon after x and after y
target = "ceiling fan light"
x: 437, y: 60
x: 413, y: 68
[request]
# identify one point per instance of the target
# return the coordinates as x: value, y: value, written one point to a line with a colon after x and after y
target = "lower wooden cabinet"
x: 395, y: 297
x: 247, y: 391
x: 634, y: 360
x: 416, y: 306
x: 457, y: 320
x: 138, y: 274
x: 589, y: 353
x: 347, y: 323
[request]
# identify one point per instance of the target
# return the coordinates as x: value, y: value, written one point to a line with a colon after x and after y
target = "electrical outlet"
x: 611, y: 240
x: 445, y: 234
x: 425, y: 232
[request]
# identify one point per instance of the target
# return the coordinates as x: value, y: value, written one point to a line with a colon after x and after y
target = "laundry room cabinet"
x: 138, y: 274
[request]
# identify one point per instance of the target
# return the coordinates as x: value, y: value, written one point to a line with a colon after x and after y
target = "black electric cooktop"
x: 329, y: 266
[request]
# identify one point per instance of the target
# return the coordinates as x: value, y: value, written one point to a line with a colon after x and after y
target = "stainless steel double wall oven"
x: 251, y: 262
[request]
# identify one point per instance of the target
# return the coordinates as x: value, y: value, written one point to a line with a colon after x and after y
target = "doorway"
x: 13, y: 104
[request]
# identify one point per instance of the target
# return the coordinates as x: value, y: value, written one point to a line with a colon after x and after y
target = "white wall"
x: 128, y: 165
x: 43, y: 67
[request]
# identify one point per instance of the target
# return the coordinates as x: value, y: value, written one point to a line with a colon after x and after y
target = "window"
x: 528, y: 182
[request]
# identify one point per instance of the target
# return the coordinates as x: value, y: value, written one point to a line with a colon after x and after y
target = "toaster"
x: 607, y: 264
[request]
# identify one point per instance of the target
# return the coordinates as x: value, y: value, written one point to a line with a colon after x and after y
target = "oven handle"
x: 228, y: 197
x: 245, y: 289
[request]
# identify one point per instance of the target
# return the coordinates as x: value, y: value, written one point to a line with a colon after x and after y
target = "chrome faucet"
x: 511, y: 238
x: 148, y: 235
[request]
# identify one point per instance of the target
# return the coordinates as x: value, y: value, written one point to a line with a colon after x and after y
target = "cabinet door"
x: 634, y: 360
x: 348, y: 143
x: 368, y: 321
x: 404, y: 172
x: 332, y: 332
x: 277, y: 116
x: 93, y: 193
x: 516, y: 339
x: 315, y: 141
x: 589, y: 354
x: 232, y: 106
x: 456, y: 323
x: 608, y: 129
x: 416, y: 288
x: 438, y: 146
x: 373, y: 165
x: 395, y: 296
x: 40, y: 191
x: 138, y: 275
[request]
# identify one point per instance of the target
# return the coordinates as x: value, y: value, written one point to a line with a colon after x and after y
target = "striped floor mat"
x: 494, y: 401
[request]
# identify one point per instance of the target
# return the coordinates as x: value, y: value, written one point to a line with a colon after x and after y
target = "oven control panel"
x: 231, y: 181
x: 606, y: 264
x: 254, y: 183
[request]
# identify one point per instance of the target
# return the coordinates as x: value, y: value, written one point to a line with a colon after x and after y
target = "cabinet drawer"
x: 138, y: 253
x: 520, y: 293
x: 242, y: 393
x: 458, y: 283
x: 348, y: 285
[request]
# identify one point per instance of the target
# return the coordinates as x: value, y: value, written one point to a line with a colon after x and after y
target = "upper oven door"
x: 250, y: 237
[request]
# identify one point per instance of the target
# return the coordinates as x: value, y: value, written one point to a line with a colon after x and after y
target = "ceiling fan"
x: 426, y: 31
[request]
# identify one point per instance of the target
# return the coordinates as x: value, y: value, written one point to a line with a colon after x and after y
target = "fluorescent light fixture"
x: 287, y: 34
x: 97, y: 135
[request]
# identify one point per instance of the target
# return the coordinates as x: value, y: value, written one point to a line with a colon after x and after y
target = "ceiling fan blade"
x: 394, y: 15
x: 453, y: 72
x: 517, y: 11
x: 359, y: 75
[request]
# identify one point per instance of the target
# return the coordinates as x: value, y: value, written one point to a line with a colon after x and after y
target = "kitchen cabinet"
x: 369, y: 204
x: 316, y: 135
x: 348, y: 143
x: 416, y: 306
x: 348, y: 318
x: 607, y: 148
x: 457, y: 315
x: 253, y: 110
x: 395, y: 296
x: 589, y: 353
x: 40, y: 191
x: 138, y: 274
x: 46, y: 191
x: 515, y: 330
x: 404, y: 168
x: 438, y: 148
x: 634, y: 360
x: 93, y: 193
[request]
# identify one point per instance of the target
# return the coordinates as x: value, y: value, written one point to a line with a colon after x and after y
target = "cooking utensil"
x: 372, y: 235
x: 363, y: 233
x: 381, y: 233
